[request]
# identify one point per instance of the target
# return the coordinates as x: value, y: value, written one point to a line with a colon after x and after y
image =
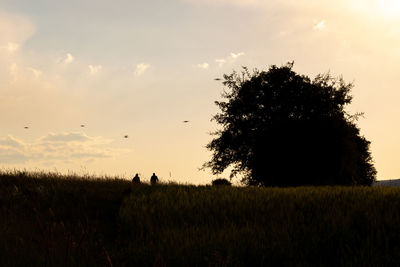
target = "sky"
x: 141, y: 68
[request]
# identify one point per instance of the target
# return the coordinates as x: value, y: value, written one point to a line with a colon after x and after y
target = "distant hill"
x: 394, y: 182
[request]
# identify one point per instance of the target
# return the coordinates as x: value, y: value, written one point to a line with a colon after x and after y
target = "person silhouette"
x: 154, y: 179
x: 136, y: 179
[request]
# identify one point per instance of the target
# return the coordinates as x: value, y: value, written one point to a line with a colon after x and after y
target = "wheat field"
x: 49, y: 219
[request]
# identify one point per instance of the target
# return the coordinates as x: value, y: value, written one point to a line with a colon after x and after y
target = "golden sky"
x: 140, y: 68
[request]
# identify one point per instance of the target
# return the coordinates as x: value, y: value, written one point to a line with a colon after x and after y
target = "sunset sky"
x: 140, y: 68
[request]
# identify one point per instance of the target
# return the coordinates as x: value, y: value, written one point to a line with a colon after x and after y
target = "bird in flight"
x: 125, y: 136
x: 82, y: 125
x: 217, y: 79
x: 26, y: 127
x: 185, y: 121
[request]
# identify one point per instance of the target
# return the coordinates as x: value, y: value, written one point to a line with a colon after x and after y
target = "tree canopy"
x: 280, y: 128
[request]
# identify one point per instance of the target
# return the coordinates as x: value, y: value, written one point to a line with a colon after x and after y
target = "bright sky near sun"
x: 141, y: 68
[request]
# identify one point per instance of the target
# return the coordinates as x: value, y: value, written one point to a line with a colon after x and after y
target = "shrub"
x: 221, y: 181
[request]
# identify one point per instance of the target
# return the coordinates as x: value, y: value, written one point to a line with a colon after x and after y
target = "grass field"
x: 54, y: 220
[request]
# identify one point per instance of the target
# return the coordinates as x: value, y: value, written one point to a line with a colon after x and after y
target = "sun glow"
x: 389, y: 8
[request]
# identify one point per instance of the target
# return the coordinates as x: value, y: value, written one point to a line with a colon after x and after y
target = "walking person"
x: 136, y: 179
x: 154, y: 179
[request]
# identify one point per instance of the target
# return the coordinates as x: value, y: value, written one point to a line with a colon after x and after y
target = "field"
x: 55, y: 220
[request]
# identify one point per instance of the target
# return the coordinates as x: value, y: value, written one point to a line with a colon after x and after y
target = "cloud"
x: 15, y: 30
x: 35, y: 72
x: 8, y: 156
x: 235, y: 56
x: 68, y: 58
x: 232, y: 57
x: 93, y: 69
x: 12, y: 150
x: 55, y: 147
x: 140, y: 69
x: 319, y: 26
x: 229, y: 59
x: 11, y: 141
x: 203, y: 66
x: 220, y: 61
x: 66, y: 137
x: 11, y: 47
x: 67, y: 146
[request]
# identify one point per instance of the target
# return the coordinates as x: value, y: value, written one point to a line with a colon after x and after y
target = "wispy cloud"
x: 203, y: 66
x: 66, y: 137
x: 15, y: 29
x: 140, y: 69
x: 36, y: 73
x: 320, y: 25
x: 93, y: 69
x: 220, y: 61
x: 11, y: 141
x: 229, y: 59
x: 235, y: 56
x: 13, y: 150
x: 68, y: 58
x: 11, y: 47
x: 54, y: 147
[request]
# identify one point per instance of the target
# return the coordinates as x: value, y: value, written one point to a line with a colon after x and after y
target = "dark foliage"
x: 280, y: 128
x: 221, y: 181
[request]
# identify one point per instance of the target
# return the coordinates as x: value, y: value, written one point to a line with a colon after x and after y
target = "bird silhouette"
x: 26, y: 127
x: 217, y: 79
x: 82, y: 125
x: 185, y: 121
x: 125, y: 136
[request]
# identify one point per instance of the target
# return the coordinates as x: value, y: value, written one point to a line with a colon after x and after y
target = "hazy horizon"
x: 142, y: 68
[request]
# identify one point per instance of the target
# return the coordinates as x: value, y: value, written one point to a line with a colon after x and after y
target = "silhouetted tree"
x: 280, y: 128
x: 221, y: 181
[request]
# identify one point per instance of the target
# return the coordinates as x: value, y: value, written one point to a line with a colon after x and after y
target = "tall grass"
x: 49, y: 219
x: 264, y: 226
